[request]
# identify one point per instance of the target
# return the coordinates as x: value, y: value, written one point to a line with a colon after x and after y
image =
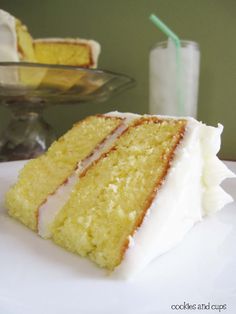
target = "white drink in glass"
x: 174, y: 75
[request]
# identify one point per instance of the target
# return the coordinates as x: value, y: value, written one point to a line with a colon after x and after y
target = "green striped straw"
x: 167, y: 31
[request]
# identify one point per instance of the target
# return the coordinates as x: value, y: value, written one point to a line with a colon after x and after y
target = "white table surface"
x: 38, y: 277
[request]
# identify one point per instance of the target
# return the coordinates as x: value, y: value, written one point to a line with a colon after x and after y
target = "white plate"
x: 38, y: 277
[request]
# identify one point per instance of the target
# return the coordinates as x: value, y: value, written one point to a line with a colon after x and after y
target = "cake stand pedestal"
x: 26, y: 136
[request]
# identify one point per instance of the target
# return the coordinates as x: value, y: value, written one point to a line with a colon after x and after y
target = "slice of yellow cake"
x: 131, y: 195
x: 67, y: 51
x: 41, y: 177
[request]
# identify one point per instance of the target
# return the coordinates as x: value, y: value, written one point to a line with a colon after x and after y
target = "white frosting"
x: 192, y: 182
x: 8, y: 47
x: 96, y: 50
x: 214, y: 171
x: 95, y: 46
x: 190, y: 191
x: 128, y: 116
x: 54, y: 203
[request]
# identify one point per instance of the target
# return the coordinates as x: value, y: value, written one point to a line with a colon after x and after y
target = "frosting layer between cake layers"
x: 190, y: 191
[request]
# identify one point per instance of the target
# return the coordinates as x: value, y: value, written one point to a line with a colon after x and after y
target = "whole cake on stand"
x: 18, y: 45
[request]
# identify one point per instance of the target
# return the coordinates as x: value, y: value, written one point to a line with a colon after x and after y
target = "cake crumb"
x: 132, y: 215
x: 113, y: 187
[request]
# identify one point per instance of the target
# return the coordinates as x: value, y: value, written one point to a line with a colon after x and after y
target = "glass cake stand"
x: 27, y: 88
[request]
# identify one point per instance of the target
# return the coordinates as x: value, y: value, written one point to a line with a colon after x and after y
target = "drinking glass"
x: 174, y: 76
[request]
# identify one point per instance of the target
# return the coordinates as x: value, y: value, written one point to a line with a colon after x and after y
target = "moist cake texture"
x: 125, y: 189
x: 78, y: 52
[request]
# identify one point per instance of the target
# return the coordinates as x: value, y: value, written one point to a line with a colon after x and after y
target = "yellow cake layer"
x: 28, y: 76
x: 111, y: 198
x: 24, y: 42
x: 63, y: 53
x: 42, y: 176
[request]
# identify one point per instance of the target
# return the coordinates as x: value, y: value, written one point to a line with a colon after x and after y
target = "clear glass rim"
x: 183, y: 43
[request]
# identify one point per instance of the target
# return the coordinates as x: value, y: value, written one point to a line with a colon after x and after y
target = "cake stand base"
x: 26, y: 136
